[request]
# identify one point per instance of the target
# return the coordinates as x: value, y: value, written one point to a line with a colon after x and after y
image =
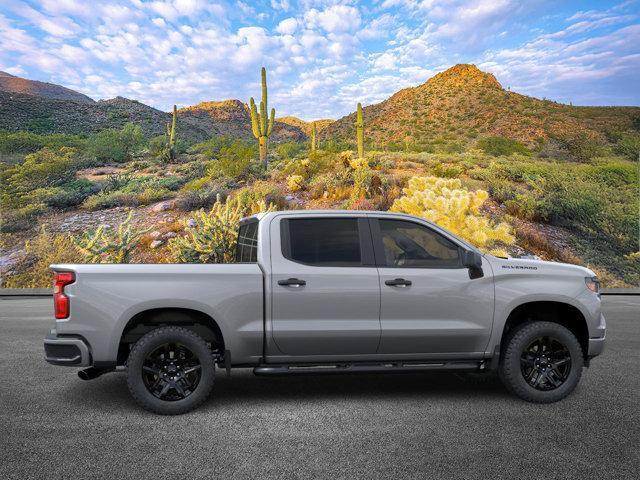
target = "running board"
x: 390, y: 367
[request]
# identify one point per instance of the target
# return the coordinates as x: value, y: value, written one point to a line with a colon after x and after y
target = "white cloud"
x: 56, y: 26
x: 287, y: 26
x: 335, y: 19
x: 280, y: 5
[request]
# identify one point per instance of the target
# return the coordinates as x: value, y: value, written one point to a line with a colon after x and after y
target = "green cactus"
x: 260, y: 124
x: 171, y: 151
x: 360, y: 132
x: 213, y: 237
x: 314, y: 138
x: 101, y: 246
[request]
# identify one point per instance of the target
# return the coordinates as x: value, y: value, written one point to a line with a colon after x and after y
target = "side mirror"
x: 471, y: 259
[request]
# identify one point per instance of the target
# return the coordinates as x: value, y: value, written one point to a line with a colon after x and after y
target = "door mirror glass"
x: 471, y: 259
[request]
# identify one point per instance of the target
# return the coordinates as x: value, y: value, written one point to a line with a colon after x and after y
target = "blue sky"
x: 322, y: 56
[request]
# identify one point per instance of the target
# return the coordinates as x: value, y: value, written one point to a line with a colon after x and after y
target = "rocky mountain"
x: 40, y: 111
x: 16, y: 85
x: 19, y: 111
x: 232, y: 117
x: 464, y: 103
x: 305, y: 126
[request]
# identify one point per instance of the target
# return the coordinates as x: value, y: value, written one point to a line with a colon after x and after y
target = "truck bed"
x: 105, y: 297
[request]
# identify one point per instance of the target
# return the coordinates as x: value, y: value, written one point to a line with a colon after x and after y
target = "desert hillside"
x: 463, y: 103
x: 11, y: 84
x: 27, y: 105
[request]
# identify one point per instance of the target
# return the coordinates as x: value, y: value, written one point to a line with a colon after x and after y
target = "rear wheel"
x: 170, y: 371
x: 542, y: 362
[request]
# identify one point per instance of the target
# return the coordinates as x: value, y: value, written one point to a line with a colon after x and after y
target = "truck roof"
x: 263, y: 215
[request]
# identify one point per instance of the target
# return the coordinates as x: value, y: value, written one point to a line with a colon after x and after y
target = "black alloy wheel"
x: 171, y: 372
x: 541, y: 361
x: 545, y: 363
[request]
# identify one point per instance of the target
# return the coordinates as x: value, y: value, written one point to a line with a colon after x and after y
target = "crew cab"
x: 329, y: 291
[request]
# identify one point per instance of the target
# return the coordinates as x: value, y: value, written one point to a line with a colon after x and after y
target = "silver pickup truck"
x: 329, y: 291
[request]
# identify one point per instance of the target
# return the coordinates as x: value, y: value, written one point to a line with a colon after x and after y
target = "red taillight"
x: 60, y: 300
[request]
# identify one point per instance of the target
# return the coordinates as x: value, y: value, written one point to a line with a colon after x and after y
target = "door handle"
x: 292, y: 282
x: 398, y: 282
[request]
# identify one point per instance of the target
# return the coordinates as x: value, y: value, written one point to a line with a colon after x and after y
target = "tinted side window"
x: 247, y: 247
x: 323, y: 241
x: 408, y: 244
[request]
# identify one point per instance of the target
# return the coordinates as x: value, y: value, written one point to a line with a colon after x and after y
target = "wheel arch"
x: 144, y: 321
x: 562, y: 313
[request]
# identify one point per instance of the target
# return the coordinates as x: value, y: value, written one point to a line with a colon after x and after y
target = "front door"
x: 325, y: 288
x: 429, y: 304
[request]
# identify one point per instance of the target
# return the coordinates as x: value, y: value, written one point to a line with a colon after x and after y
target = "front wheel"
x: 542, y: 362
x: 170, y: 371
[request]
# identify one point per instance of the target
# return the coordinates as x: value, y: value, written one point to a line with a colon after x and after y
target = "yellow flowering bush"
x: 445, y: 202
x: 295, y: 182
x: 211, y: 236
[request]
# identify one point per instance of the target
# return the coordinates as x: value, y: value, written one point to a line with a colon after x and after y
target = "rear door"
x: 325, y: 287
x: 430, y: 305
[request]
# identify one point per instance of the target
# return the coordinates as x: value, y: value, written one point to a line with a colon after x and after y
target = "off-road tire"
x: 518, y: 340
x: 148, y: 343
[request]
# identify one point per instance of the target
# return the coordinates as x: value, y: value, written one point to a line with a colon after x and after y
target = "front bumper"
x: 596, y: 343
x: 596, y: 346
x: 66, y: 351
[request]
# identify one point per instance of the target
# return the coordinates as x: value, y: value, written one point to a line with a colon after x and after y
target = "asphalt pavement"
x: 417, y: 426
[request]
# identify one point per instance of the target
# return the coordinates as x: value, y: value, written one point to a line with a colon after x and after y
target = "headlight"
x: 593, y: 284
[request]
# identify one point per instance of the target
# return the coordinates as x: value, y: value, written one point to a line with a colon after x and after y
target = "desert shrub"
x: 157, y: 145
x: 211, y: 148
x: 116, y: 145
x: 190, y: 200
x: 336, y: 146
x: 23, y: 218
x: 629, y: 146
x: 581, y: 146
x: 523, y: 206
x: 43, y: 250
x: 233, y: 160
x: 362, y: 176
x: 599, y: 201
x: 27, y: 142
x: 498, y: 146
x: 295, y: 182
x: 110, y: 200
x: 45, y: 168
x: 106, y: 245
x: 116, y: 182
x: 447, y: 203
x: 124, y: 198
x: 265, y: 191
x: 289, y: 150
x: 213, y: 238
x: 68, y: 195
x: 447, y: 170
x: 152, y: 195
x: 362, y: 204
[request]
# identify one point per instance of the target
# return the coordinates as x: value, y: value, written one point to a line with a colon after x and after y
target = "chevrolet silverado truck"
x: 329, y: 291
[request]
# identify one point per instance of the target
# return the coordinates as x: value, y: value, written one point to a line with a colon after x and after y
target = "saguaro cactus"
x: 171, y: 136
x: 314, y: 141
x: 260, y: 124
x: 360, y: 132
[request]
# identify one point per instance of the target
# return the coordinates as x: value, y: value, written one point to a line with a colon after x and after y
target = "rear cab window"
x: 327, y: 242
x: 247, y: 246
